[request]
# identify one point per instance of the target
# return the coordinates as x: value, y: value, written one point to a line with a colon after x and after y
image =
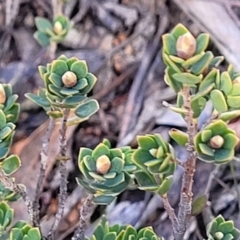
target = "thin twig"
x: 170, y: 211
x: 85, y: 214
x: 185, y: 205
x: 212, y: 176
x: 63, y: 171
x: 8, y: 183
x: 43, y: 166
x: 57, y: 7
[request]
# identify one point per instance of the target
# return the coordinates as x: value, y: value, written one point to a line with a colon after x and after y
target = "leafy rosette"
x: 189, y: 64
x: 55, y: 31
x: 226, y: 95
x: 6, y: 135
x: 186, y: 59
x: 104, y: 172
x: 23, y: 231
x: 219, y: 229
x: 103, y: 232
x: 216, y: 143
x: 67, y: 83
x: 8, y: 103
x: 67, y: 77
x: 156, y: 160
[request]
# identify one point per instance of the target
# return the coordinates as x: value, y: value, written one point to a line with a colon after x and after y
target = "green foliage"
x: 199, y: 204
x: 19, y: 231
x: 9, y: 113
x: 10, y: 164
x: 105, y: 232
x: 23, y: 231
x: 105, y: 171
x: 55, y: 31
x: 219, y: 229
x: 216, y: 143
x: 156, y: 162
x: 67, y: 83
x: 6, y: 216
x: 8, y: 195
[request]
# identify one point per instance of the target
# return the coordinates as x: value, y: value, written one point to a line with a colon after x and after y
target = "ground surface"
x: 121, y: 42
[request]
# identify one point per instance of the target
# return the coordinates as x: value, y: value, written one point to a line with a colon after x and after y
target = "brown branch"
x: 85, y: 214
x: 171, y: 212
x: 63, y: 171
x: 8, y: 183
x: 43, y: 166
x: 185, y: 205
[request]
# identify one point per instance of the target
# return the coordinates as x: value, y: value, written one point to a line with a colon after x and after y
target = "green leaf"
x: 169, y: 44
x: 198, y: 104
x: 230, y: 141
x: 73, y: 100
x: 206, y: 135
x: 223, y: 155
x: 227, y: 116
x: 144, y: 180
x: 175, y: 85
x: 38, y: 100
x: 5, y: 132
x: 218, y: 101
x: 100, y: 150
x: 235, y: 90
x: 43, y: 24
x: 59, y: 67
x: 87, y: 108
x: 187, y: 78
x: 199, y: 204
x: 233, y: 101
x: 181, y: 138
x: 202, y: 42
x: 202, y: 64
x: 79, y: 68
x: 56, y: 80
x: 179, y: 30
x: 205, y: 149
x: 4, y: 152
x: 91, y: 82
x: 68, y: 91
x: 82, y: 83
x: 165, y: 185
x: 146, y: 142
x: 6, y: 214
x: 42, y: 38
x: 11, y: 164
x: 209, y: 79
x: 10, y: 102
x: 226, y: 83
x: 104, y: 200
x: 190, y: 61
x: 2, y: 119
x: 170, y: 63
x: 216, y: 61
x: 55, y: 114
x: 34, y: 234
x: 116, y: 165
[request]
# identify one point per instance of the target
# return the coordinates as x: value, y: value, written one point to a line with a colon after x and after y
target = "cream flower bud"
x: 103, y: 164
x: 2, y: 94
x: 219, y: 235
x: 186, y: 46
x: 236, y: 80
x: 69, y: 79
x: 57, y: 27
x: 216, y: 142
